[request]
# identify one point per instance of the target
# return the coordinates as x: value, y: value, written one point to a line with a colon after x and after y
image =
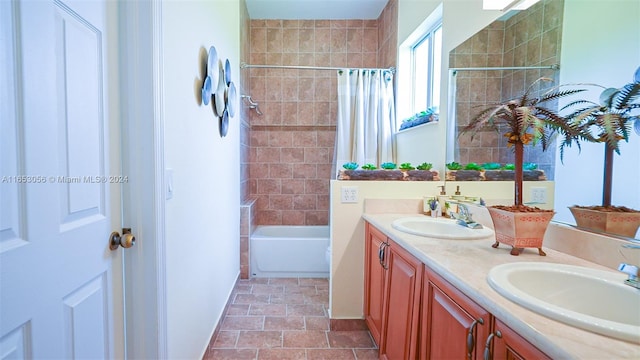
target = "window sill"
x: 418, y: 126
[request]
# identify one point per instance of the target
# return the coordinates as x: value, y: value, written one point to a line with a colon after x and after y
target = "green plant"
x: 529, y: 166
x: 528, y: 121
x: 425, y: 166
x: 369, y: 167
x: 454, y: 166
x: 509, y: 167
x: 350, y: 166
x: 388, y: 165
x: 610, y: 122
x: 491, y: 166
x: 406, y: 166
x: 472, y: 166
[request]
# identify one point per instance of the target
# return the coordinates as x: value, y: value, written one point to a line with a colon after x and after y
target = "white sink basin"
x: 439, y: 228
x: 591, y: 299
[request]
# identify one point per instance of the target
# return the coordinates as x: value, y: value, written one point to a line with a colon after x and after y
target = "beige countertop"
x: 466, y: 263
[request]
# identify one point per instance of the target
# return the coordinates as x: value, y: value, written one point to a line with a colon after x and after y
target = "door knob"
x: 127, y: 239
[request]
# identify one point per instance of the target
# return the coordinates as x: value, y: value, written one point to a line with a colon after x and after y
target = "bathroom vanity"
x: 429, y: 298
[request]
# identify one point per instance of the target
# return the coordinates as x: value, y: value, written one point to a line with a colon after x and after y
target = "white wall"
x: 605, y: 52
x: 203, y: 217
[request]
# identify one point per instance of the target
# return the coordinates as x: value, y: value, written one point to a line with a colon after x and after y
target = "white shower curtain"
x: 366, y: 117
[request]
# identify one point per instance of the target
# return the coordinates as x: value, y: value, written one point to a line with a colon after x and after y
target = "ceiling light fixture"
x: 506, y: 5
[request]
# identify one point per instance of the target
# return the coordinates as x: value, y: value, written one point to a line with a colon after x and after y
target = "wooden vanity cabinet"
x: 509, y: 345
x: 393, y: 278
x: 414, y: 313
x: 402, y: 305
x: 374, y: 279
x: 452, y: 325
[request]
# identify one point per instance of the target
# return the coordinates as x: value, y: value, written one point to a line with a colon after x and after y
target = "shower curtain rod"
x: 552, y: 67
x: 245, y: 65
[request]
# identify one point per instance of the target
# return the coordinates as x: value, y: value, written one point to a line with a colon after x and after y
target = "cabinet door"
x: 453, y: 326
x: 374, y: 279
x: 402, y: 306
x: 509, y: 345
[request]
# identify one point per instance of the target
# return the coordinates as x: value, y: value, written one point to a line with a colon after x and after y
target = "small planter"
x: 421, y: 175
x: 611, y: 220
x: 370, y: 175
x: 381, y: 175
x: 509, y: 175
x: 464, y: 175
x: 520, y: 229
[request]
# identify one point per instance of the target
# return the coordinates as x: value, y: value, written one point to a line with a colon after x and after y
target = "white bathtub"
x: 289, y: 251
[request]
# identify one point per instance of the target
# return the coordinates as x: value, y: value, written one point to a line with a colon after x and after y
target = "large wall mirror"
x: 592, y: 42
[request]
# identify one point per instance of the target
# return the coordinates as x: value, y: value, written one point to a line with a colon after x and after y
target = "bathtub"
x: 289, y: 251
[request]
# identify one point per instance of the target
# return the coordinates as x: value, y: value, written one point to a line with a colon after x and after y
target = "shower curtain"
x: 366, y: 117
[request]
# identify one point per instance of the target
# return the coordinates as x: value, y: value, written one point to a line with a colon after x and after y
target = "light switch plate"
x: 349, y: 194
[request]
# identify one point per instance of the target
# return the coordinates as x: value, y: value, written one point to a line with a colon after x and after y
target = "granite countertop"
x: 466, y: 263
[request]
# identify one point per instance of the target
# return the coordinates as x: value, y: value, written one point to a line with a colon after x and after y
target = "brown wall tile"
x: 289, y: 157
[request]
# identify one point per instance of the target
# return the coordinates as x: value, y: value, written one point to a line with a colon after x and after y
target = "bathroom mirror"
x: 606, y: 52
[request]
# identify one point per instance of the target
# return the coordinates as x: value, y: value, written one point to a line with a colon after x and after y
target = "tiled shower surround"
x: 289, y: 149
x: 529, y: 38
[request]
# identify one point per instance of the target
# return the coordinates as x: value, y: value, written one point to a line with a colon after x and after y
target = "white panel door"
x: 60, y: 285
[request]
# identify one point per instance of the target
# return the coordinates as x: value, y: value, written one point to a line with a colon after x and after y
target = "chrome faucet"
x: 631, y: 270
x: 463, y: 217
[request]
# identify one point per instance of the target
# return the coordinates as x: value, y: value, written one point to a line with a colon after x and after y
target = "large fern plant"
x: 610, y: 122
x: 529, y: 119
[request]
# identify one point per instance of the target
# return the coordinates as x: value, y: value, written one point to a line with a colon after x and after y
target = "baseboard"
x: 216, y: 330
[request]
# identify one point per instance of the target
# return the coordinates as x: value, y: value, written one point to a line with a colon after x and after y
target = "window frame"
x: 427, y: 36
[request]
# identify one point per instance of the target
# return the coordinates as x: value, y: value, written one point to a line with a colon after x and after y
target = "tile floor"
x: 284, y: 318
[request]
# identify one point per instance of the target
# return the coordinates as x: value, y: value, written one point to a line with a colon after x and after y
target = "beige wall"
x: 347, y: 228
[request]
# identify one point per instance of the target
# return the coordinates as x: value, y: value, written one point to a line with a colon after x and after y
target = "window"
x: 426, y: 59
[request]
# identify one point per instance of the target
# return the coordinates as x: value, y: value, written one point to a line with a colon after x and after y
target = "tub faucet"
x: 631, y: 270
x: 463, y: 217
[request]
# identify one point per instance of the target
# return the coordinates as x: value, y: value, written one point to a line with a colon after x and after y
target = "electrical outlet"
x: 349, y: 194
x: 539, y: 195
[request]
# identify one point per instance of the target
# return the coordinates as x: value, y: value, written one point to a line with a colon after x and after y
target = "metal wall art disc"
x: 230, y: 99
x: 206, y: 91
x: 224, y: 123
x: 212, y: 66
x: 219, y: 94
x: 227, y: 71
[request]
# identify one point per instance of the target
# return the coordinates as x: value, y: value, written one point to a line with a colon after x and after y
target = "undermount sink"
x: 439, y: 228
x: 591, y: 299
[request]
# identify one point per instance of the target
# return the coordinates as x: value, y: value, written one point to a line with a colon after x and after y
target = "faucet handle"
x: 630, y: 270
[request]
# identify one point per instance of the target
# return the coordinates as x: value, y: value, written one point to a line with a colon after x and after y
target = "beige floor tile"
x: 285, y: 318
x: 305, y: 339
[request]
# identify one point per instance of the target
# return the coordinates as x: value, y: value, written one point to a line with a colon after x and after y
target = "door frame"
x: 140, y: 61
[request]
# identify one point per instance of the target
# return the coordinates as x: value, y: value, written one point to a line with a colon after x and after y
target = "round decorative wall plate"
x: 206, y: 90
x: 227, y: 71
x: 219, y: 94
x: 230, y: 99
x: 224, y: 124
x: 212, y: 66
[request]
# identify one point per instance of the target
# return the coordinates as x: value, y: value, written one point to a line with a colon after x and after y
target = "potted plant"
x: 370, y: 172
x: 610, y: 122
x: 528, y: 120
